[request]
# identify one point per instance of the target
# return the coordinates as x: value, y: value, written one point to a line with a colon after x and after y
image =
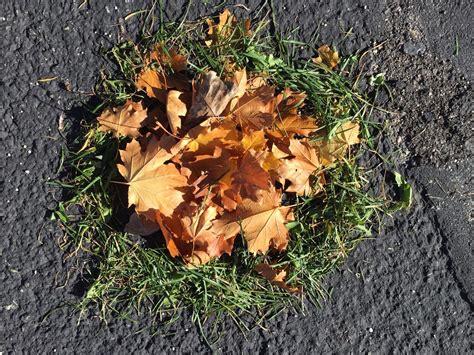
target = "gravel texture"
x: 409, y: 290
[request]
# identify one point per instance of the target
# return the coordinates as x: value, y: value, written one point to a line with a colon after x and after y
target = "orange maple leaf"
x: 189, y: 233
x: 254, y: 111
x: 293, y: 124
x: 262, y: 223
x: 152, y: 183
x: 301, y: 167
x: 276, y: 277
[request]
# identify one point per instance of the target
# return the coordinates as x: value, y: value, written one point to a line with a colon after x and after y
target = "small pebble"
x: 470, y: 144
x: 414, y: 48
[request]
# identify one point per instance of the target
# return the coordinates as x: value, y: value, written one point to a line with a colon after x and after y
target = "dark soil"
x: 409, y: 290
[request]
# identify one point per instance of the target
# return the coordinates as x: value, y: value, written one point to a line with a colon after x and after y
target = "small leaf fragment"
x: 175, y: 109
x: 276, y: 277
x: 327, y: 56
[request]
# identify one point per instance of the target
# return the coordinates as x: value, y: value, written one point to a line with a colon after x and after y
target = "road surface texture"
x: 409, y: 290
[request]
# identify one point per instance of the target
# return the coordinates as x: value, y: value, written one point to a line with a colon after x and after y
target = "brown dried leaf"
x: 156, y: 83
x: 153, y: 83
x: 171, y: 57
x: 152, y: 184
x: 124, y: 120
x: 327, y: 56
x: 294, y: 124
x: 254, y: 111
x: 250, y: 177
x: 175, y: 109
x: 141, y: 225
x: 212, y: 97
x: 289, y: 102
x: 276, y: 277
x: 263, y: 223
x: 225, y: 29
x: 189, y: 233
x: 299, y: 169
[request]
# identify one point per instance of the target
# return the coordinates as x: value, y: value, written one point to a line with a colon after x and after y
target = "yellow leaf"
x: 335, y: 148
x: 254, y: 140
x: 240, y: 80
x: 348, y: 133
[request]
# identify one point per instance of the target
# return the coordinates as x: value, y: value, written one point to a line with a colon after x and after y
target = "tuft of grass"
x: 134, y: 274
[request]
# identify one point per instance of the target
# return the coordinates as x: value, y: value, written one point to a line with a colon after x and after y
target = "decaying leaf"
x: 124, y: 120
x: 327, y: 57
x: 212, y: 97
x: 276, y: 277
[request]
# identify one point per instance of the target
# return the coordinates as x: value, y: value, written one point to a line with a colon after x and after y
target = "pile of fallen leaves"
x: 209, y: 158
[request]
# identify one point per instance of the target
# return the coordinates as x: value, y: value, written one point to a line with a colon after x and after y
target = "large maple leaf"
x: 152, y: 183
x: 262, y: 223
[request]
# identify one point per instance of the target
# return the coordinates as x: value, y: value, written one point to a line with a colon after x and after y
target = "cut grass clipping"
x: 236, y: 165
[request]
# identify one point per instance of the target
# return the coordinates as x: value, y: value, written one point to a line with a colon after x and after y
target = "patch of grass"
x: 326, y: 229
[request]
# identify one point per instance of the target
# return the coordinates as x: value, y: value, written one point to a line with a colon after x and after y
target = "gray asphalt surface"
x: 409, y: 290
